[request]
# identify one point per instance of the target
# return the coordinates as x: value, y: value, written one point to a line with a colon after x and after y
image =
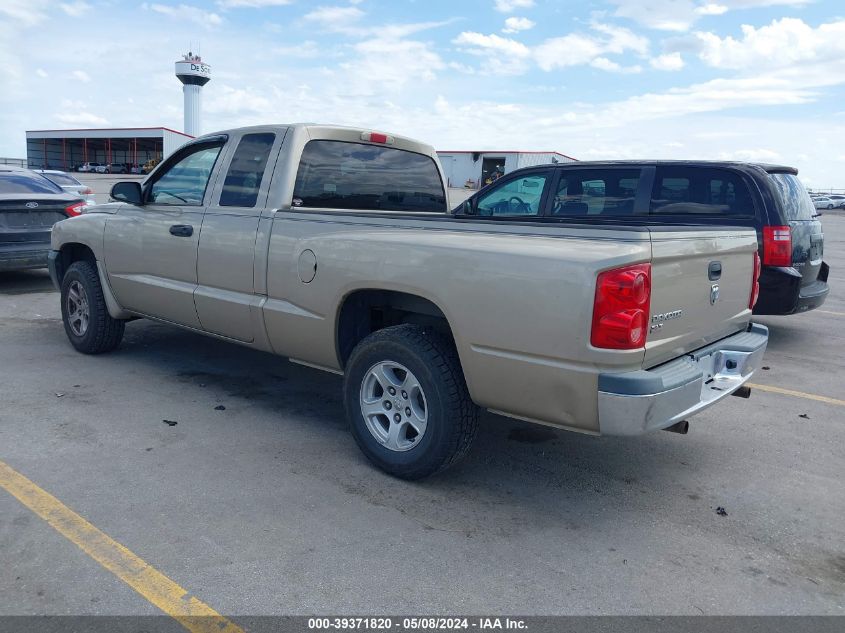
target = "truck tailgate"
x: 701, y: 286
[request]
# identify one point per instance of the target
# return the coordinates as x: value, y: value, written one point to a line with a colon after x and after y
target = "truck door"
x: 151, y: 250
x: 225, y: 297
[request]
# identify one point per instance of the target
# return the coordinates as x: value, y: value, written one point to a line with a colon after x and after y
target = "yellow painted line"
x: 830, y: 312
x: 798, y: 394
x: 158, y: 589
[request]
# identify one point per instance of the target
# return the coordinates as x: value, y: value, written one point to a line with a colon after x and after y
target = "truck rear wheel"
x: 88, y: 324
x: 407, y: 402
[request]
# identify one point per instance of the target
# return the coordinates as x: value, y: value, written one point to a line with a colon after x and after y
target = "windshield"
x: 23, y: 182
x: 796, y: 202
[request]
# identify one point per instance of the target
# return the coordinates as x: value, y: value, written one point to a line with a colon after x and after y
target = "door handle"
x: 182, y: 230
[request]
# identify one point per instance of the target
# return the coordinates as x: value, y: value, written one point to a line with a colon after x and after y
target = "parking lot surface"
x: 268, y: 507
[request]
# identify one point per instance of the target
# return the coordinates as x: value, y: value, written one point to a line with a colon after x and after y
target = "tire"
x: 81, y: 292
x: 830, y: 206
x: 405, y: 356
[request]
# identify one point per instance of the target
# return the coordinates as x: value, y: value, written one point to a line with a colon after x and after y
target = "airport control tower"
x: 194, y: 74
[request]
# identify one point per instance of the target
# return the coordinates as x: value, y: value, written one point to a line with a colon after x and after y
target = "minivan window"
x: 519, y: 196
x: 595, y: 192
x: 700, y: 191
x: 794, y: 199
x: 246, y: 171
x: 343, y: 175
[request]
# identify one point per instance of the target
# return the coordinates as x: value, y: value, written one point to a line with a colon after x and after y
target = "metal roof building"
x: 472, y: 168
x: 67, y: 149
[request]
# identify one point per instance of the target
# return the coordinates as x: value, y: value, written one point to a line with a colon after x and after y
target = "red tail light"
x: 755, y: 281
x: 87, y: 191
x: 777, y: 246
x: 620, y: 309
x: 377, y: 137
x: 74, y: 209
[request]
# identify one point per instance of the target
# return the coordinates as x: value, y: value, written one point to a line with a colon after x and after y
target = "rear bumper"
x: 23, y: 255
x: 781, y: 291
x: 637, y: 402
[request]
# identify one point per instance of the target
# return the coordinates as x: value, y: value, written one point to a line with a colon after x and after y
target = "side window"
x: 342, y: 175
x: 185, y: 181
x: 246, y: 171
x: 518, y: 196
x: 700, y: 191
x: 596, y: 192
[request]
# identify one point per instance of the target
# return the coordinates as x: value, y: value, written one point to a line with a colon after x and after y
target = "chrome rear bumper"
x: 637, y: 402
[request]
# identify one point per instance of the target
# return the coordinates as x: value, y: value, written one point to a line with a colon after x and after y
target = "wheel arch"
x: 363, y: 311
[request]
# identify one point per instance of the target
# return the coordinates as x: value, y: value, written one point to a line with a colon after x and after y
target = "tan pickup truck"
x: 335, y: 247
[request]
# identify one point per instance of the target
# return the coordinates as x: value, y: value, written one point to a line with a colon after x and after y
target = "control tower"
x: 194, y: 74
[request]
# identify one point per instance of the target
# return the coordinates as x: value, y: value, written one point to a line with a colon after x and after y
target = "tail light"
x: 377, y: 137
x: 620, y: 309
x: 777, y: 246
x: 87, y: 191
x: 74, y: 209
x: 755, y: 281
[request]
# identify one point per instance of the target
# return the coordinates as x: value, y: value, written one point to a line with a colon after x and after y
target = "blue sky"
x: 717, y: 79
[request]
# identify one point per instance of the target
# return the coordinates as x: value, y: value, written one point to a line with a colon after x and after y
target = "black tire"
x: 452, y: 416
x: 103, y: 333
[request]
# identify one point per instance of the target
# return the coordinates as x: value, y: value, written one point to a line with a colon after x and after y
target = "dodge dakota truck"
x: 335, y: 247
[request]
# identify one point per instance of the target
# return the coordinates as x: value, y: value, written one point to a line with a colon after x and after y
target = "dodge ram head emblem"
x: 714, y: 294
x: 31, y: 205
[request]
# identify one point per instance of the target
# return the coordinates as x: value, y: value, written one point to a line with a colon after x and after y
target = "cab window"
x: 520, y: 196
x: 246, y: 171
x: 185, y: 181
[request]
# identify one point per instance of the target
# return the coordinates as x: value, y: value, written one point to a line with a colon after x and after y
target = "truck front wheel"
x: 407, y: 401
x: 88, y: 324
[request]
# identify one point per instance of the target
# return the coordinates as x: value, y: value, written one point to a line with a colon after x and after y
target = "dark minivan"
x: 768, y: 197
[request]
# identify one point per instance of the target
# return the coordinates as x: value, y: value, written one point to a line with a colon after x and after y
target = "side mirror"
x: 129, y: 191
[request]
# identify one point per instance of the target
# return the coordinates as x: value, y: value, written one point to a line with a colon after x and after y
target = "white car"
x: 823, y: 202
x: 838, y: 201
x: 88, y: 167
x: 69, y: 184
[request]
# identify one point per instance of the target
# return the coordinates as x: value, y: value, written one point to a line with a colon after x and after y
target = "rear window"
x: 247, y: 170
x: 340, y: 175
x: 794, y: 199
x: 700, y: 191
x: 596, y: 192
x: 22, y: 182
x: 62, y: 180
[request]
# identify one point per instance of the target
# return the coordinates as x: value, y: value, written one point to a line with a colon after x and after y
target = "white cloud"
x: 668, y: 62
x: 759, y: 155
x: 75, y: 9
x: 509, y: 6
x: 334, y: 18
x: 603, y: 63
x: 25, y: 12
x: 577, y: 49
x: 81, y: 118
x: 781, y: 44
x: 81, y: 75
x: 514, y: 25
x: 250, y: 4
x: 502, y: 55
x: 680, y: 15
x: 187, y: 13
x: 41, y: 73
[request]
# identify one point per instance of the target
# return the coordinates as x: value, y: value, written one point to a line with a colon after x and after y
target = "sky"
x: 758, y: 80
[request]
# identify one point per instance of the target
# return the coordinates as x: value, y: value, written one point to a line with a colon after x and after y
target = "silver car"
x: 69, y: 184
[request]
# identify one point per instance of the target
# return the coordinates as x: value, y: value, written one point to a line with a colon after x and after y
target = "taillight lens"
x: 377, y: 137
x: 777, y: 246
x: 620, y: 309
x: 74, y: 209
x: 755, y: 281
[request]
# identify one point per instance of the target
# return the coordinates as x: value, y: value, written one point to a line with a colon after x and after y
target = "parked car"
x: 335, y: 247
x: 30, y: 205
x: 116, y: 168
x: 823, y: 202
x: 88, y: 167
x: 838, y: 201
x: 69, y: 184
x: 770, y: 198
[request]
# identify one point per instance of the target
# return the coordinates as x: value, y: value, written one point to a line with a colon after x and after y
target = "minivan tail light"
x: 621, y: 306
x: 74, y: 209
x: 777, y: 246
x: 755, y: 281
